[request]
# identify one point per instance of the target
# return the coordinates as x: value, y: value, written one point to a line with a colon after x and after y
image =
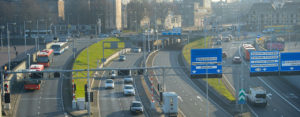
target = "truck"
x: 124, y: 72
x: 257, y: 96
x: 32, y: 80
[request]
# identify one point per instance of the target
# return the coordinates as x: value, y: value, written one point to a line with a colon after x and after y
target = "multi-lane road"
x: 112, y: 102
x: 282, y: 99
x: 192, y: 100
x: 48, y: 100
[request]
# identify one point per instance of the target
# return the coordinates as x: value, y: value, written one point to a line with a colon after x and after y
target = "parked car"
x: 128, y: 90
x: 103, y: 36
x: 236, y: 59
x: 109, y: 83
x: 122, y: 58
x: 136, y: 107
x: 128, y: 79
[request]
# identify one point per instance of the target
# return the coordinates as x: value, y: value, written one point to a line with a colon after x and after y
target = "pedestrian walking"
x: 15, y: 48
x: 16, y: 53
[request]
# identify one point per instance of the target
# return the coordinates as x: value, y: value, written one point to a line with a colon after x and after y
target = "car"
x: 219, y: 42
x: 129, y: 90
x: 109, y: 84
x: 113, y: 74
x: 122, y: 58
x: 224, y: 55
x: 103, y: 36
x: 236, y: 59
x: 128, y: 79
x: 136, y: 50
x: 136, y: 107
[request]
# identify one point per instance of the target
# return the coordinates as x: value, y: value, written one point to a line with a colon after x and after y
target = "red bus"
x: 246, y: 49
x: 32, y: 81
x: 44, y: 57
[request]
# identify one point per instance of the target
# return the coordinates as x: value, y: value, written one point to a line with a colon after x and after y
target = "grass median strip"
x: 216, y: 83
x: 95, y: 54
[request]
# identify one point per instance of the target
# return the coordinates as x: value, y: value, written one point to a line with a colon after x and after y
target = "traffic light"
x: 5, y: 87
x: 85, y: 88
x: 7, y: 97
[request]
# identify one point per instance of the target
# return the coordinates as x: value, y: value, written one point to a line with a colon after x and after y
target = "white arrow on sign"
x: 292, y: 68
x: 194, y: 71
x: 218, y: 70
x: 265, y: 69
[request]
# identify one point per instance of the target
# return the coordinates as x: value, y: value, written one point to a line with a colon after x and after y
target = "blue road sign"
x: 264, y: 61
x: 174, y: 31
x: 290, y: 61
x: 258, y: 36
x: 206, y: 61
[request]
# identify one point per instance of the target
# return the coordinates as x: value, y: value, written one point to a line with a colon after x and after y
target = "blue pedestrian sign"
x: 206, y: 61
x: 289, y: 61
x: 264, y: 61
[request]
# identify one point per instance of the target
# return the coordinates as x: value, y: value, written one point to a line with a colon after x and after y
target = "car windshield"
x: 128, y: 87
x: 260, y: 96
x: 43, y: 59
x: 136, y: 105
x: 109, y: 81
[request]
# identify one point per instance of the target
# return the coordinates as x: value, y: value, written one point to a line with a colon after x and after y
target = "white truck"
x: 257, y: 96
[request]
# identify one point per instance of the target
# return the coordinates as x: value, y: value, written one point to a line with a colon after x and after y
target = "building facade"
x: 270, y: 14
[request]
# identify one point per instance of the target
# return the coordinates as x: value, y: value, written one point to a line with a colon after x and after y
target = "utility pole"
x: 88, y: 78
x: 204, y: 27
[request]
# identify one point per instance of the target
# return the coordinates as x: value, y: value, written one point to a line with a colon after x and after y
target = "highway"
x: 48, y: 100
x: 284, y: 98
x: 192, y: 100
x: 112, y: 102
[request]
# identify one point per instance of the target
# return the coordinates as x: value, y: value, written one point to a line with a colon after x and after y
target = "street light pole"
x: 1, y: 27
x: 8, y: 44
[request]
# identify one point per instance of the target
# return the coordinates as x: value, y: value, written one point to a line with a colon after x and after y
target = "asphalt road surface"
x: 112, y: 102
x: 48, y: 100
x: 283, y: 98
x: 192, y: 101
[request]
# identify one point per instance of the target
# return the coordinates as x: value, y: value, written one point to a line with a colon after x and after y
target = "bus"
x: 246, y: 50
x: 35, y: 33
x: 32, y: 80
x: 44, y: 57
x: 59, y: 47
x: 274, y: 44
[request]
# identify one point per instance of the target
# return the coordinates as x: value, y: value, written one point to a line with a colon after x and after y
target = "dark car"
x: 122, y: 58
x: 236, y: 59
x: 136, y: 107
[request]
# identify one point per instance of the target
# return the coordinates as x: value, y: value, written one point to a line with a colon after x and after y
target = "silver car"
x: 136, y: 107
x: 109, y: 84
x: 128, y: 79
x: 128, y: 90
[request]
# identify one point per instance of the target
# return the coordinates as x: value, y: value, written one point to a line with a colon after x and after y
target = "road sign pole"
x: 88, y: 78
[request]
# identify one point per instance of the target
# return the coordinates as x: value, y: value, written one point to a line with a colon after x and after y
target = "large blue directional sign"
x: 206, y: 61
x: 264, y: 61
x: 290, y: 61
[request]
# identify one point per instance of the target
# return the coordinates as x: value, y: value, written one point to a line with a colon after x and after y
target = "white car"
x: 109, y: 83
x: 113, y: 74
x: 129, y: 90
x: 136, y: 107
x: 128, y: 79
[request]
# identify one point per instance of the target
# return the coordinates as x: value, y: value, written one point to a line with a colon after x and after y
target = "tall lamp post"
x: 1, y: 27
x: 37, y: 42
x: 25, y: 34
x: 8, y: 43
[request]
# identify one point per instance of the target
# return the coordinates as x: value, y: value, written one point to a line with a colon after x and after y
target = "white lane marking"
x: 66, y: 114
x: 38, y: 113
x: 181, y: 112
x: 279, y: 94
x: 180, y: 98
x: 200, y: 98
